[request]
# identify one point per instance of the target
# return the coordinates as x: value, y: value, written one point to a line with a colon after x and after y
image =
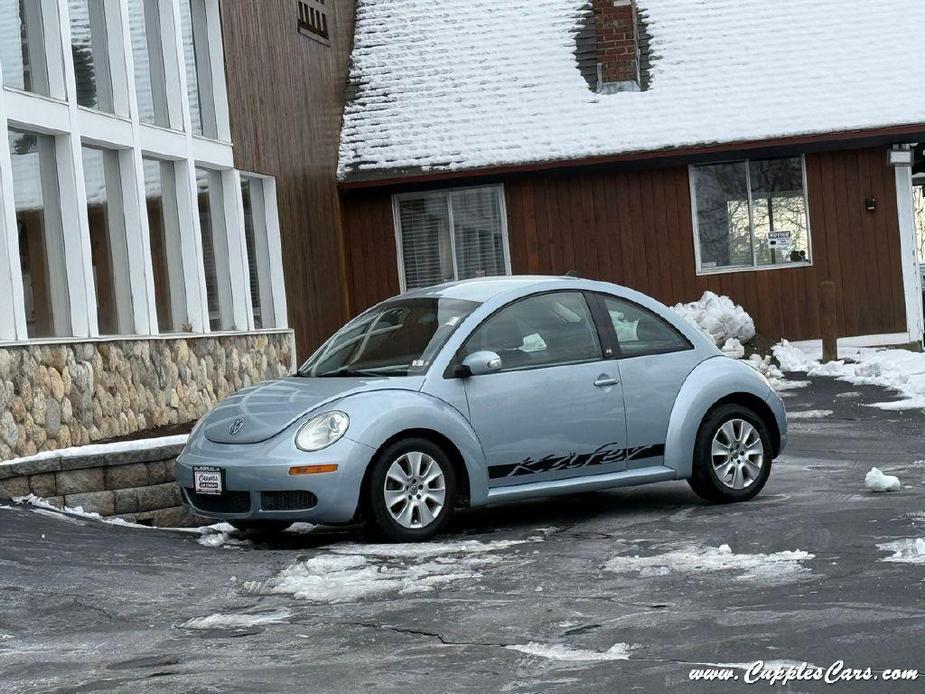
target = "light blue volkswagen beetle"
x: 479, y: 392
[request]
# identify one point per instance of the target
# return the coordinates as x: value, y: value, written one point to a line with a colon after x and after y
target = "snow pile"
x: 354, y: 572
x: 102, y: 449
x: 719, y: 318
x: 619, y: 651
x: 236, y: 620
x: 909, y: 551
x: 705, y: 559
x: 810, y: 414
x: 896, y: 369
x: 775, y: 376
x: 876, y: 481
x: 733, y: 348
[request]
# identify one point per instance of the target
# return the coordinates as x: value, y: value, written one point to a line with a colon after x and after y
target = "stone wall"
x: 135, y: 485
x: 70, y: 394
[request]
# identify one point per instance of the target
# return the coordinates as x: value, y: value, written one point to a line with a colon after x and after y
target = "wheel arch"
x: 463, y: 483
x: 714, y: 382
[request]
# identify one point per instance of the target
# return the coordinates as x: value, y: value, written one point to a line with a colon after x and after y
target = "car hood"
x: 260, y: 412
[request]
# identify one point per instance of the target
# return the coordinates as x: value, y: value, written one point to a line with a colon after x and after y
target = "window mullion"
x: 233, y: 212
x: 452, y: 228
x: 751, y: 212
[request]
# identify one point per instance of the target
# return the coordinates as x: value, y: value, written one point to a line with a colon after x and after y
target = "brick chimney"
x: 617, y: 45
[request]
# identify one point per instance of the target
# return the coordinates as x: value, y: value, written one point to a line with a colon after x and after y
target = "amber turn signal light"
x: 312, y: 469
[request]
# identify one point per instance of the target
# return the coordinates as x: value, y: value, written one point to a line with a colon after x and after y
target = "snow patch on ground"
x: 897, y: 369
x: 236, y: 620
x: 876, y: 481
x: 354, y: 572
x: 102, y: 449
x: 733, y: 348
x: 619, y: 651
x: 849, y: 394
x: 810, y: 414
x: 719, y: 318
x: 907, y: 551
x: 774, y: 375
x: 705, y: 559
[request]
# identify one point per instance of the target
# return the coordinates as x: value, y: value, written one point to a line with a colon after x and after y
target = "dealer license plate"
x: 207, y: 480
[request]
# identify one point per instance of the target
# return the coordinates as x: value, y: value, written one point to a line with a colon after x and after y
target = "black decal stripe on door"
x: 552, y: 463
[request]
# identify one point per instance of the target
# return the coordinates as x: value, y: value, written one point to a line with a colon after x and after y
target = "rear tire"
x: 411, y: 491
x: 732, y: 455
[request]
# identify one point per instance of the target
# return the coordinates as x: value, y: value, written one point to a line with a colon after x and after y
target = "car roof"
x: 484, y: 288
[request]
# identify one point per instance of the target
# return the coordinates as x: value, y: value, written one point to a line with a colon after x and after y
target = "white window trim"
x: 74, y: 126
x: 445, y: 193
x: 701, y: 272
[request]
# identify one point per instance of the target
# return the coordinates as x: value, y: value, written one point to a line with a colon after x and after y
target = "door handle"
x: 606, y: 382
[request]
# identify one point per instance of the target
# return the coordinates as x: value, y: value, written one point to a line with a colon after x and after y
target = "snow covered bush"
x: 719, y: 318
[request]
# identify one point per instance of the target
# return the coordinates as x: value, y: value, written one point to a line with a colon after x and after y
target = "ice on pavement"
x: 353, y: 572
x: 719, y: 318
x: 907, y: 551
x: 876, y: 481
x: 897, y: 369
x: 705, y: 559
x: 809, y: 414
x: 619, y: 651
x: 236, y: 620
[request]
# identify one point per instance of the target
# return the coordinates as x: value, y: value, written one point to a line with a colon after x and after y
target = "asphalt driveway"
x: 619, y: 591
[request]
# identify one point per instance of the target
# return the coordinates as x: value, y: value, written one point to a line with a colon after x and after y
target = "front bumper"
x: 256, y: 480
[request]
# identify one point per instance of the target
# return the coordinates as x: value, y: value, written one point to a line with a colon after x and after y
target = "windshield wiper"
x: 346, y: 373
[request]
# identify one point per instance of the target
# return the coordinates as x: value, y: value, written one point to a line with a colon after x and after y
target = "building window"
x: 214, y: 248
x: 451, y: 235
x: 313, y: 20
x: 41, y: 236
x: 144, y: 20
x: 25, y: 58
x: 194, y: 31
x: 257, y: 236
x: 108, y: 248
x: 164, y: 232
x: 751, y: 214
x: 90, y: 48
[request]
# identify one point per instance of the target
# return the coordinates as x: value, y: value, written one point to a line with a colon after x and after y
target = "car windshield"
x: 397, y: 338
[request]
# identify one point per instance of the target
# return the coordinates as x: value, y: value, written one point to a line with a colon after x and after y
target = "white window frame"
x: 269, y: 242
x: 701, y: 271
x: 446, y: 193
x: 74, y: 126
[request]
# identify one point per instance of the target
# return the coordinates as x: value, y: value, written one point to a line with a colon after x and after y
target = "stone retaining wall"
x: 138, y: 485
x: 70, y: 394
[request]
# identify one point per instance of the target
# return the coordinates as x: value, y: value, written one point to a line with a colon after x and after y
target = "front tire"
x: 732, y: 455
x: 411, y: 492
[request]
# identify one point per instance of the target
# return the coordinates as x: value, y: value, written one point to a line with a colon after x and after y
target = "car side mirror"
x: 479, y: 364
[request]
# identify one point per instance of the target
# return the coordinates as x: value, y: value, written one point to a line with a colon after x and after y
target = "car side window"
x: 542, y: 330
x: 640, y: 331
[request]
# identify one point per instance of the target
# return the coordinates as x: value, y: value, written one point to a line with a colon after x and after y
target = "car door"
x: 655, y: 359
x: 554, y: 409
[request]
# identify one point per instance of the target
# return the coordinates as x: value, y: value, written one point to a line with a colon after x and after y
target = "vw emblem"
x: 236, y: 426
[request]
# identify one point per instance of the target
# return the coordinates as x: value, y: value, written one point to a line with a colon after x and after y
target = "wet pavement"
x: 627, y: 590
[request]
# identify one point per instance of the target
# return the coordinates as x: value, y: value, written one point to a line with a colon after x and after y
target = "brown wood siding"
x: 285, y: 94
x: 636, y: 229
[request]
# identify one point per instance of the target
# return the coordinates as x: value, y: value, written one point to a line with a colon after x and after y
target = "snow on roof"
x: 466, y: 84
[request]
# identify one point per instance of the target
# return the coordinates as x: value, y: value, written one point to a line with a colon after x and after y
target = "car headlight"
x: 321, y: 431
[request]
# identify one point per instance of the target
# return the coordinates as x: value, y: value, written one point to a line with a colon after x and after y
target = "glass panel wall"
x: 41, y: 241
x: 108, y: 249
x: 258, y: 257
x: 214, y: 248
x: 148, y: 54
x: 22, y: 45
x: 90, y: 48
x: 166, y: 260
x: 194, y: 32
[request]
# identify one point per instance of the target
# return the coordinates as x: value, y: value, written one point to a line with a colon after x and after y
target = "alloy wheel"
x: 737, y: 454
x: 415, y: 490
